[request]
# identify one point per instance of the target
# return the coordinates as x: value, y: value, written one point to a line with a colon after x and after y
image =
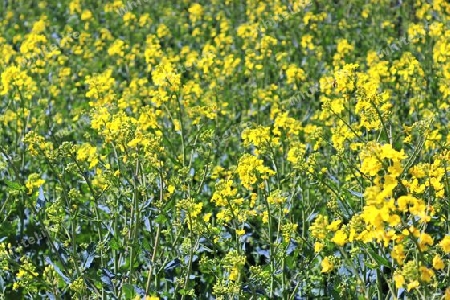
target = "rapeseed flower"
x: 327, y: 265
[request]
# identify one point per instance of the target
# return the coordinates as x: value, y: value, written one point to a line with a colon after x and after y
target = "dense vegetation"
x: 224, y: 149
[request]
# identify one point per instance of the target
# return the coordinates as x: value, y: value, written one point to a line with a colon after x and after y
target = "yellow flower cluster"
x: 250, y: 169
x: 227, y: 149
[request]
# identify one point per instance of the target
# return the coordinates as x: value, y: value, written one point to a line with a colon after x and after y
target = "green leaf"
x: 114, y: 244
x: 128, y: 290
x: 161, y: 219
x: 382, y: 261
x: 14, y: 185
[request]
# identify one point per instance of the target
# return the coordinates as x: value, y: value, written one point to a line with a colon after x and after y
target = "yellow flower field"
x: 224, y: 149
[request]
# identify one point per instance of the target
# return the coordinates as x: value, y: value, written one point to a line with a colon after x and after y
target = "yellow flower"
x: 318, y: 227
x: 445, y: 244
x: 334, y: 225
x: 293, y: 73
x: 195, y: 12
x: 258, y: 137
x: 447, y: 294
x: 171, y: 189
x: 412, y: 285
x: 34, y: 181
x: 276, y: 198
x: 234, y: 273
x: 100, y: 87
x: 129, y: 17
x: 399, y: 280
x: 86, y: 15
x: 224, y: 216
x: 426, y: 274
x: 371, y: 165
x: 118, y: 48
x: 344, y: 47
x: 207, y: 217
x: 13, y: 78
x: 249, y: 168
x: 425, y: 240
x: 162, y: 31
x: 438, y: 263
x: 296, y: 154
x: 327, y: 265
x: 165, y: 75
x: 398, y: 253
x: 134, y: 142
x: 318, y: 247
x: 74, y: 6
x: 38, y: 27
x: 340, y: 238
x: 87, y: 152
x: 240, y: 231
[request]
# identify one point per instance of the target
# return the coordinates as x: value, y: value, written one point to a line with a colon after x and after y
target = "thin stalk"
x: 158, y: 232
x: 134, y: 224
x: 191, y: 254
x: 180, y: 117
x: 271, y: 253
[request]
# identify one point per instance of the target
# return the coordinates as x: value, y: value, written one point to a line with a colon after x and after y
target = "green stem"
x: 158, y: 233
x: 191, y: 255
x: 134, y: 222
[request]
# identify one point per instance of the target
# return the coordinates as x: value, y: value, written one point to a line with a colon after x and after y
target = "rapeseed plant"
x: 160, y: 156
